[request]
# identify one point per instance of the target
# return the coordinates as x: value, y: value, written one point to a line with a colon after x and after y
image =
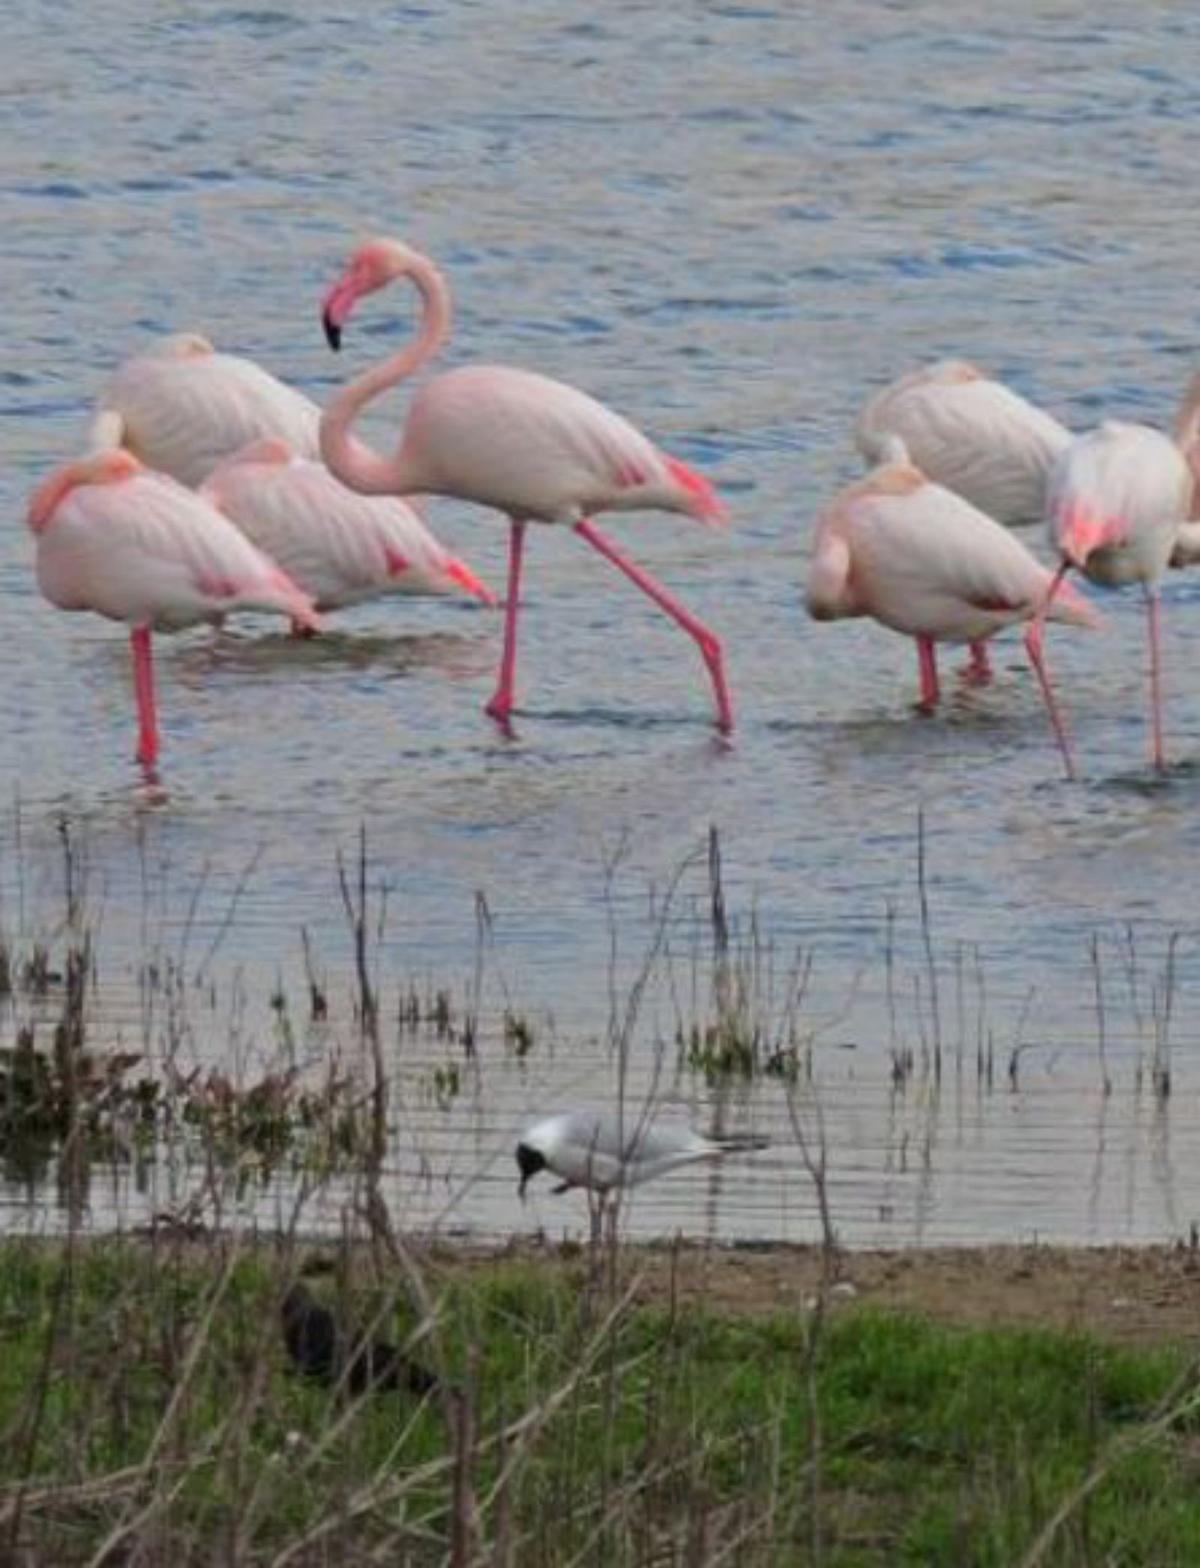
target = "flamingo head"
x: 1080, y: 532
x: 182, y: 345
x: 372, y: 266
x: 100, y: 468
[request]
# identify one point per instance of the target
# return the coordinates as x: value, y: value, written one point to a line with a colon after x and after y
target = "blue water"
x: 731, y: 222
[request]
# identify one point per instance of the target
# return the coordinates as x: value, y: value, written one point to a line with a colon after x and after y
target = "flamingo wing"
x: 537, y: 448
x: 925, y: 562
x: 971, y: 434
x: 342, y: 547
x: 182, y: 412
x: 147, y: 551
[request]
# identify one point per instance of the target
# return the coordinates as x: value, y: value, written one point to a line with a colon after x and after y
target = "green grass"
x: 143, y: 1401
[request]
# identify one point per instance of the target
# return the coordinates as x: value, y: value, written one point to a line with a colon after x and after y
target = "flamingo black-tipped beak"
x: 333, y: 333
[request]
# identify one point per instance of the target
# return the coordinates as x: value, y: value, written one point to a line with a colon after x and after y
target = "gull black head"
x: 529, y: 1161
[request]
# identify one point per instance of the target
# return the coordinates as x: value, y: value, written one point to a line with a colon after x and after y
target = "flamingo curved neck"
x: 354, y: 463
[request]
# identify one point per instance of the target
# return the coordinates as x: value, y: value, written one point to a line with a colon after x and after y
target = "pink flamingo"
x: 1186, y: 431
x: 339, y: 546
x: 972, y: 434
x: 137, y: 547
x: 180, y: 407
x: 1117, y: 503
x: 537, y: 450
x: 920, y: 559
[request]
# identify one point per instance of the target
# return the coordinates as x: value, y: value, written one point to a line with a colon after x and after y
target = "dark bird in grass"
x: 333, y: 1353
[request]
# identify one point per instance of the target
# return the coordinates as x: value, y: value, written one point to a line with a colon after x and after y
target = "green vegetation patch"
x: 148, y: 1413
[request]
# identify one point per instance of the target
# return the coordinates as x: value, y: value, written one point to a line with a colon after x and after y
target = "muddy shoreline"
x: 1129, y: 1295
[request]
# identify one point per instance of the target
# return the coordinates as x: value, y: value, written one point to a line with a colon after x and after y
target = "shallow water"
x: 731, y: 222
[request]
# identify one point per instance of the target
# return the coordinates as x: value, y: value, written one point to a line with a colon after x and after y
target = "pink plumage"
x: 921, y: 560
x: 532, y: 448
x: 1118, y: 500
x: 341, y: 547
x: 970, y: 433
x: 181, y: 407
x: 135, y: 546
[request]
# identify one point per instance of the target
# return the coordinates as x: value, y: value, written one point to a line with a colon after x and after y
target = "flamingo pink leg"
x: 501, y: 704
x: 927, y: 665
x: 707, y: 641
x: 1154, y: 627
x: 1034, y: 635
x: 143, y: 686
x: 978, y: 669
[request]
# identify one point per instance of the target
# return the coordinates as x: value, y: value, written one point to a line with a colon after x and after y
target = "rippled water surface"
x: 731, y: 222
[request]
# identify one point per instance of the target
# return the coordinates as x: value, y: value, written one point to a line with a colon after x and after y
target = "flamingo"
x: 135, y: 546
x: 1186, y: 431
x: 535, y: 449
x: 920, y: 559
x: 181, y: 407
x: 972, y: 434
x: 1117, y: 503
x: 340, y: 547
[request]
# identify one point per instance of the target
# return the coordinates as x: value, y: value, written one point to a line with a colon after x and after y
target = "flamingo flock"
x: 207, y: 487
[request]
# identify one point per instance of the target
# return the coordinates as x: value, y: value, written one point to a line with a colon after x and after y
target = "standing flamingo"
x: 972, y: 434
x: 1186, y: 430
x: 137, y: 547
x: 181, y: 407
x: 339, y: 546
x: 1117, y: 503
x: 537, y: 450
x: 923, y: 561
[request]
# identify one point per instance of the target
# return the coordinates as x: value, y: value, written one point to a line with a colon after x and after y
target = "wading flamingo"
x: 969, y: 433
x: 1186, y: 431
x: 339, y: 546
x: 920, y: 559
x: 535, y: 449
x: 180, y: 407
x: 1116, y: 505
x: 135, y: 546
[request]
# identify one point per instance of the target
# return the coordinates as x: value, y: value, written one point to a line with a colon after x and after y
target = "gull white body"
x: 601, y: 1152
x: 969, y: 433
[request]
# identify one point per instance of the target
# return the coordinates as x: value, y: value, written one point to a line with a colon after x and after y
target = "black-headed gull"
x: 601, y: 1151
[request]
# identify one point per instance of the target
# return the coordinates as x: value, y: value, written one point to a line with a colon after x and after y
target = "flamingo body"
x: 339, y: 546
x: 1118, y: 500
x: 532, y: 448
x: 1186, y: 430
x: 921, y: 560
x: 135, y: 546
x: 181, y: 407
x: 969, y: 433
x: 539, y: 450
